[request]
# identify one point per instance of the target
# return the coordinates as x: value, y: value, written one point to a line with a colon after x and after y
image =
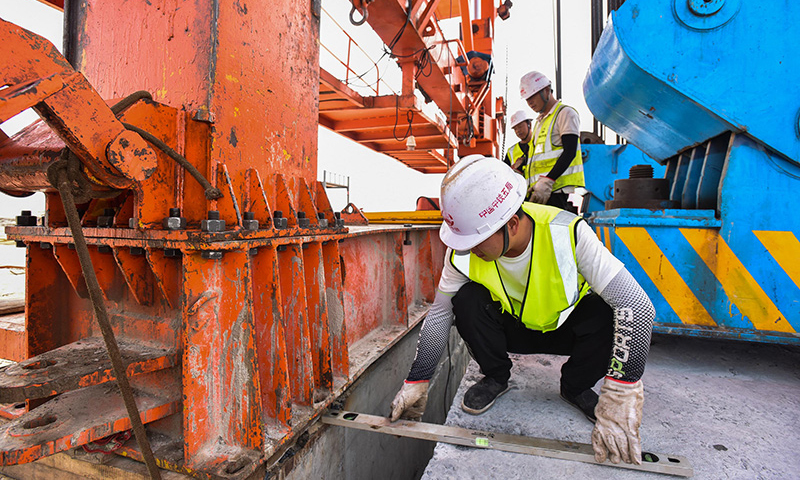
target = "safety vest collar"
x: 554, y: 298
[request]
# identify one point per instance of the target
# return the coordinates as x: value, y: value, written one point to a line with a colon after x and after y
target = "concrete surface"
x: 730, y: 408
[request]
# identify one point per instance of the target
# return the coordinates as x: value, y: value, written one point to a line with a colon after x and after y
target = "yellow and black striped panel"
x: 695, y: 278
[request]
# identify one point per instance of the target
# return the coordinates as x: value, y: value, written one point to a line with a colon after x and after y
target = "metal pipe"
x: 558, y: 48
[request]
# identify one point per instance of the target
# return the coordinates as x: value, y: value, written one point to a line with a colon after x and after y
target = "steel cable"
x: 211, y: 192
x: 59, y: 172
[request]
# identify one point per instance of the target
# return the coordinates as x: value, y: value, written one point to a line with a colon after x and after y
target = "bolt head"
x: 174, y: 223
x: 250, y: 224
x: 212, y: 225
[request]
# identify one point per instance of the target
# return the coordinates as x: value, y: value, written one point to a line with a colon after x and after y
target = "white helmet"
x: 519, y: 116
x: 479, y: 195
x: 531, y: 83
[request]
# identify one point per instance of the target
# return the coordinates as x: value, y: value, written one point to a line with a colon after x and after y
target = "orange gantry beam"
x: 384, y: 124
x: 411, y: 32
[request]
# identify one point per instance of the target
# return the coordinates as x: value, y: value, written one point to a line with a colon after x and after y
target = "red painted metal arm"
x: 41, y: 78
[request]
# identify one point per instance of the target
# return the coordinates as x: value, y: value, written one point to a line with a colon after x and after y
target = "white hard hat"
x: 479, y: 195
x: 519, y: 116
x: 531, y: 83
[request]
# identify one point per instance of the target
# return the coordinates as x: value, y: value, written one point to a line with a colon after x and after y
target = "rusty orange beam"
x: 386, y: 18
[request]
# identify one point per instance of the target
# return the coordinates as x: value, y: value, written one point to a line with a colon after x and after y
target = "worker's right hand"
x: 410, y: 401
x: 519, y: 167
x: 540, y: 191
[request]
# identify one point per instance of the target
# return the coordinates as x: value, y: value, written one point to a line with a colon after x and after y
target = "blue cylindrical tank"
x: 670, y: 74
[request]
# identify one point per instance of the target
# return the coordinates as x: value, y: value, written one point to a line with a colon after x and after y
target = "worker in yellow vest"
x: 517, y: 156
x: 527, y: 278
x: 555, y: 169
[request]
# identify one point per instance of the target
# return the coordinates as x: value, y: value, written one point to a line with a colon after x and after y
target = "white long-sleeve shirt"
x: 633, y: 311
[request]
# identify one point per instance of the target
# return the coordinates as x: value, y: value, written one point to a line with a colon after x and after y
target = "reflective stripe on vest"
x: 554, y: 285
x: 545, y: 155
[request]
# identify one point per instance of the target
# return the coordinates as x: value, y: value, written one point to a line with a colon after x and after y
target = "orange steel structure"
x: 242, y: 306
x: 428, y: 64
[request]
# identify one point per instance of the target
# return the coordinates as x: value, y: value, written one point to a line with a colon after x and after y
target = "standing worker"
x: 556, y: 165
x: 517, y: 156
x: 526, y: 278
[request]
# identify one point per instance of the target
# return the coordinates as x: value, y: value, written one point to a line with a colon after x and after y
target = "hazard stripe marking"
x: 784, y: 248
x: 666, y: 279
x: 741, y: 288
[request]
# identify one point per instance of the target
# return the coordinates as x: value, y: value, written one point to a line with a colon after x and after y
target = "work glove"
x: 410, y: 401
x: 619, y: 415
x: 519, y: 166
x: 541, y: 190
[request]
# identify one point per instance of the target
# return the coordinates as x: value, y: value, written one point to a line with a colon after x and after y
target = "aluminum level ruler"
x: 580, y: 452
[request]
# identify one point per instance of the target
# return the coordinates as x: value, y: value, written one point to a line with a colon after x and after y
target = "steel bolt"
x: 253, y: 251
x: 704, y: 8
x: 172, y: 253
x: 323, y: 222
x: 25, y: 219
x: 302, y: 221
x: 45, y: 246
x: 20, y: 244
x: 338, y: 222
x: 137, y: 251
x: 250, y: 222
x: 278, y: 220
x: 213, y: 223
x: 174, y: 221
x: 211, y: 254
x: 641, y: 171
x: 132, y: 222
x: 106, y: 220
x: 104, y: 249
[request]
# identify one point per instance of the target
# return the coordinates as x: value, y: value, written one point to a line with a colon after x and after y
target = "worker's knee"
x: 473, y: 305
x: 470, y: 297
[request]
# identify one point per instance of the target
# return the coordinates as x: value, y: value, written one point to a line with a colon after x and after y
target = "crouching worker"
x: 528, y: 278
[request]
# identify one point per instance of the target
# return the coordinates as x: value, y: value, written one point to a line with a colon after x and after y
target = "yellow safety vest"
x: 545, y: 155
x: 554, y: 285
x: 515, y: 152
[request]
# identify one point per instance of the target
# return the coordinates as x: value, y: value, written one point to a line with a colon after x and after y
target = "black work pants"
x: 586, y: 337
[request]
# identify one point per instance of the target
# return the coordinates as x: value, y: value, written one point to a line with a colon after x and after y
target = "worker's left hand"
x: 619, y: 414
x: 541, y: 190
